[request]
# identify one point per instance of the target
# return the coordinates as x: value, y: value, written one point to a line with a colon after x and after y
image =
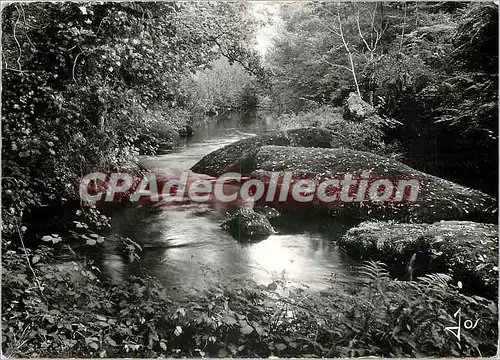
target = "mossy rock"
x: 247, y: 225
x: 438, y: 199
x: 217, y: 162
x: 466, y: 250
x: 357, y: 109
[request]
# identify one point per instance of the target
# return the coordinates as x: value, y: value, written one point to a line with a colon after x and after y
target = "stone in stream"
x: 437, y: 199
x: 215, y: 163
x: 466, y: 250
x: 247, y: 225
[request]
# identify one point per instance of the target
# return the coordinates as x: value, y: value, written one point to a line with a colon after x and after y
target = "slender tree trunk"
x: 403, y: 28
x: 353, y: 69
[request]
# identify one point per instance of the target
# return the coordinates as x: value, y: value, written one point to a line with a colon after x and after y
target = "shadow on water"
x: 186, y: 249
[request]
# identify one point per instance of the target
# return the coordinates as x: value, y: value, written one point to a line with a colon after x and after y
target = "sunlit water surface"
x: 186, y: 249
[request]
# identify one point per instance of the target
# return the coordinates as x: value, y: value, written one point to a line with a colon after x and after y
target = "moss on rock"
x: 358, y: 110
x: 217, y: 162
x: 247, y: 225
x: 466, y: 250
x: 438, y: 199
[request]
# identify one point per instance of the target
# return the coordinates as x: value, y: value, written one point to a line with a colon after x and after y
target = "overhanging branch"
x: 230, y: 57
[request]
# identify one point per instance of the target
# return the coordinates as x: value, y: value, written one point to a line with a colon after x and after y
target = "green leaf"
x: 280, y: 346
x: 246, y: 329
x: 258, y: 329
x: 228, y: 320
x: 272, y: 286
x: 178, y: 330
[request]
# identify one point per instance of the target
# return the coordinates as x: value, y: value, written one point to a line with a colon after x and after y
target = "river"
x: 185, y: 248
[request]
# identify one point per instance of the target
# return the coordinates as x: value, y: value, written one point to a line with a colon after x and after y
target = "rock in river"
x: 466, y: 250
x: 247, y: 225
x: 435, y: 199
x: 216, y: 162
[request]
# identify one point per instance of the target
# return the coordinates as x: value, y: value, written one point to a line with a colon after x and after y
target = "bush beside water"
x: 90, y: 85
x: 357, y: 135
x: 68, y: 311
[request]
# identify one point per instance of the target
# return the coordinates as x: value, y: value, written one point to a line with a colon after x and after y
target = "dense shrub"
x: 66, y: 310
x: 222, y: 86
x: 357, y: 135
x: 416, y: 63
x: 160, y: 129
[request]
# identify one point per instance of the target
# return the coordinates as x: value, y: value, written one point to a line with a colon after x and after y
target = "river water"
x: 186, y: 249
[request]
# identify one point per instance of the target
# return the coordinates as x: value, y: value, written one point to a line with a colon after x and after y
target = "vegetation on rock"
x: 438, y: 199
x: 467, y: 250
x: 248, y: 225
x: 227, y: 158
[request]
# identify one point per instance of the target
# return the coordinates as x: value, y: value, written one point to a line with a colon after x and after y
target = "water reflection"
x: 306, y: 259
x: 185, y: 248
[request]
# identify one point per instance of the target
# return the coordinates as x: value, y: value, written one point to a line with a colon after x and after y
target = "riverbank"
x: 466, y: 250
x: 101, y: 87
x: 84, y: 316
x: 76, y: 310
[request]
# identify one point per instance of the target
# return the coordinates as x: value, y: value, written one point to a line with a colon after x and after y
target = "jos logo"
x: 468, y: 324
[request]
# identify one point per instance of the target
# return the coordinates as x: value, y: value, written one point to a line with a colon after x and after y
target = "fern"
x: 438, y: 284
x: 434, y: 286
x: 374, y: 272
x: 405, y: 285
x: 436, y: 281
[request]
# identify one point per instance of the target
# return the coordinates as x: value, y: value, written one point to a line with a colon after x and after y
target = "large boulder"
x: 437, y: 199
x: 322, y: 117
x: 352, y: 131
x: 247, y: 225
x: 267, y: 211
x: 216, y: 162
x: 358, y: 109
x: 466, y: 250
